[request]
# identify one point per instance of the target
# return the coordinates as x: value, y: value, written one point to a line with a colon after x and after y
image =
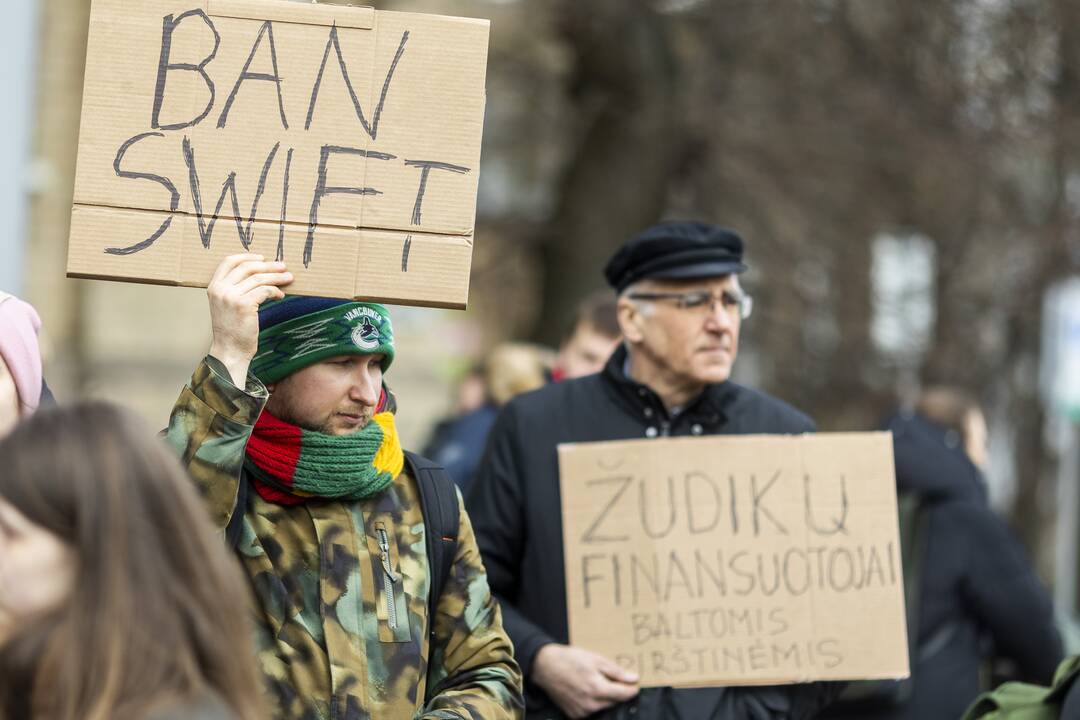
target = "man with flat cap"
x: 680, y: 307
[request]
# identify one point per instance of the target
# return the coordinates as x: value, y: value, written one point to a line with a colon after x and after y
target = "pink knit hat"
x: 19, y: 325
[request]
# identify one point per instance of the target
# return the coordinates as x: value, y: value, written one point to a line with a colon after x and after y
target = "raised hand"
x: 240, y: 285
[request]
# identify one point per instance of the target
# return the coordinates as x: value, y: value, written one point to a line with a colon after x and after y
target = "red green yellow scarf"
x: 289, y: 464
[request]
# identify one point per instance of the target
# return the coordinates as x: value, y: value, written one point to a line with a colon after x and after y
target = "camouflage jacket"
x: 334, y: 641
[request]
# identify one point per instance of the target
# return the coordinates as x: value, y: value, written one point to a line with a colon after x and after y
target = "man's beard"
x: 325, y: 427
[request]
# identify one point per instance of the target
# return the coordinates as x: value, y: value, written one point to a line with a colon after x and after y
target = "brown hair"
x: 158, y: 613
x: 597, y: 311
x: 948, y: 407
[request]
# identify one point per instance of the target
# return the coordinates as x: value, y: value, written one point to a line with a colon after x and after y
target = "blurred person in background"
x: 976, y: 585
x: 471, y: 391
x: 680, y: 309
x: 22, y: 388
x: 121, y: 602
x: 593, y: 336
x: 457, y: 443
x: 371, y: 604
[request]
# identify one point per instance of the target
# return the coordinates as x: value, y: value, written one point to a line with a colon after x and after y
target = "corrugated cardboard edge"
x: 362, y: 18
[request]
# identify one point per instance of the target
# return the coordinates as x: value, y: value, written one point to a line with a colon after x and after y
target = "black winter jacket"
x: 975, y: 581
x: 515, y: 508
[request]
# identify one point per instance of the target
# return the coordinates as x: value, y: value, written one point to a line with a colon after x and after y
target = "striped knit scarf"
x: 289, y: 465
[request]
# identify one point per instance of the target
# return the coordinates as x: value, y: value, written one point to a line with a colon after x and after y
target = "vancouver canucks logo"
x: 365, y: 335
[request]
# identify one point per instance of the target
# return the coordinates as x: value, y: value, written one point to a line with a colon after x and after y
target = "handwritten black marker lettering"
x: 677, y: 577
x: 769, y: 588
x: 166, y: 65
x: 840, y: 523
x: 332, y: 41
x: 643, y: 504
x: 705, y: 571
x: 849, y: 580
x: 587, y: 578
x: 405, y: 254
x: 428, y: 166
x: 590, y: 535
x: 733, y: 504
x: 638, y: 568
x: 792, y: 588
x: 759, y: 507
x: 174, y: 201
x: 284, y: 207
x: 267, y: 29
x: 688, y: 482
x: 206, y: 229
x: 322, y: 189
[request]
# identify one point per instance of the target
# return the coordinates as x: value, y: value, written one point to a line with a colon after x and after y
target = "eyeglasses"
x: 732, y: 302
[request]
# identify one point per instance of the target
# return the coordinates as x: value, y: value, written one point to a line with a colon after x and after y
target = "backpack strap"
x: 913, y: 521
x: 442, y: 522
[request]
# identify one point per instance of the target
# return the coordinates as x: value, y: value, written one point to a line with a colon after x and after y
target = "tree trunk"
x: 617, y: 179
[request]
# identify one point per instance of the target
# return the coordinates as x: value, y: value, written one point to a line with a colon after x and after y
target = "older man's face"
x: 690, y: 345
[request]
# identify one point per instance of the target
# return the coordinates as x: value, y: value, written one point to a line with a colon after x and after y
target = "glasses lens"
x: 695, y: 300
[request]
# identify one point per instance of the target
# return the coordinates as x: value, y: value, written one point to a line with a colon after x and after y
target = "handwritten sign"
x: 343, y: 140
x: 736, y: 560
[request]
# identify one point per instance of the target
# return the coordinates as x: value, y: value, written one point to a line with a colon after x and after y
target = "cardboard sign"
x: 736, y: 560
x: 343, y: 140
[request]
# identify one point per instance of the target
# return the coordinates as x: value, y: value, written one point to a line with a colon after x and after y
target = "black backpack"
x: 442, y: 521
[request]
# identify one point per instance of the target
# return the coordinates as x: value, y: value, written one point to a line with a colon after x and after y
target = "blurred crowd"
x: 277, y: 553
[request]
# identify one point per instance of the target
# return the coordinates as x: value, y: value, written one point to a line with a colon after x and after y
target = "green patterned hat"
x: 300, y: 331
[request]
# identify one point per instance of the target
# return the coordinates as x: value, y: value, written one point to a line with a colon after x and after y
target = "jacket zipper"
x: 389, y: 578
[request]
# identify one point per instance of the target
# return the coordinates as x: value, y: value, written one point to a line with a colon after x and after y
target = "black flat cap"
x: 676, y: 250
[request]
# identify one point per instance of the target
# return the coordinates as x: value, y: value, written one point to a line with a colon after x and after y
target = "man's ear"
x: 270, y: 387
x: 629, y: 317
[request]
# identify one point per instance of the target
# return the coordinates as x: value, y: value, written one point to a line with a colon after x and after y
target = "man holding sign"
x: 288, y: 429
x: 680, y: 307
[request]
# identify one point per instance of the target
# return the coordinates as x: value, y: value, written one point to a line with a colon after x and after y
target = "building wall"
x: 17, y: 42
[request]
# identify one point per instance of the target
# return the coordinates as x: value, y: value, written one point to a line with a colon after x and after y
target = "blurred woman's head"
x: 960, y: 415
x: 120, y: 597
x: 20, y: 361
x: 516, y: 368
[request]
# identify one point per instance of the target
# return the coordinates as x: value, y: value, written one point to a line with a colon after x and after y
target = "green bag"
x: 1023, y: 701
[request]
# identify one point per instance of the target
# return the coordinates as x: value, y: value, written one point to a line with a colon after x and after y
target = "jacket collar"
x: 710, y: 406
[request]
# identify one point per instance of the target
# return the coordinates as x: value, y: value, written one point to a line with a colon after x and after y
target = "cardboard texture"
x: 343, y: 140
x: 736, y: 560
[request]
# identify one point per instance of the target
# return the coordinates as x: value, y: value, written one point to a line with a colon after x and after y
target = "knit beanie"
x: 19, y: 326
x: 299, y: 331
